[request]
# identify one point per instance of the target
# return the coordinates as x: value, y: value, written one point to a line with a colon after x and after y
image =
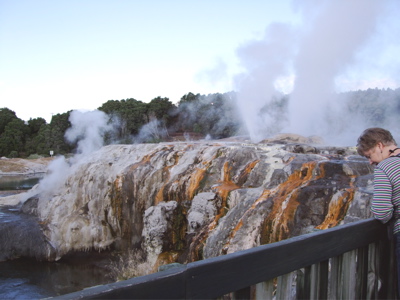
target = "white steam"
x: 88, y: 130
x: 154, y: 131
x: 265, y: 61
x: 326, y: 46
x: 57, y: 173
x: 325, y: 51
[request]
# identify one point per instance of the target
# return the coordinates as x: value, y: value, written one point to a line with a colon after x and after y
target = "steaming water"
x: 30, y: 279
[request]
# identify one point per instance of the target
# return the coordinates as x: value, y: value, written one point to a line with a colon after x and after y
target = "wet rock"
x: 30, y: 206
x: 22, y: 236
x: 202, y: 211
x: 187, y: 201
x: 297, y: 148
x: 157, y: 226
x: 240, y: 228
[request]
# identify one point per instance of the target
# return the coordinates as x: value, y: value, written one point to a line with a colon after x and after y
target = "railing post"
x: 303, y: 283
x: 342, y: 281
x: 373, y: 279
x: 264, y: 290
x: 362, y: 273
x: 335, y: 278
x: 349, y: 274
x: 319, y: 280
x: 284, y: 288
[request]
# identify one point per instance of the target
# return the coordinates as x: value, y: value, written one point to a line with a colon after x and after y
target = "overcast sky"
x: 60, y: 55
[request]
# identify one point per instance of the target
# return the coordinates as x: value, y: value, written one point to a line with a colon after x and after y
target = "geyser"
x: 312, y: 55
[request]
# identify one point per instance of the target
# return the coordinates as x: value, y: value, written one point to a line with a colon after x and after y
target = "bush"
x: 13, y: 154
x: 34, y: 156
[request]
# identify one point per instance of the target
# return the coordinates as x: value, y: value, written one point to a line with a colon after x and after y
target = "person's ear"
x: 380, y: 146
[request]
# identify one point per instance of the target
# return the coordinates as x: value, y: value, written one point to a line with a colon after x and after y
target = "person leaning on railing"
x: 380, y: 148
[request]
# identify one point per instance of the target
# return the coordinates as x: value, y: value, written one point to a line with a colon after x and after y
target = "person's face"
x: 375, y: 155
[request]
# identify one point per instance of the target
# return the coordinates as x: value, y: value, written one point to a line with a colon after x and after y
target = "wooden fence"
x: 352, y: 261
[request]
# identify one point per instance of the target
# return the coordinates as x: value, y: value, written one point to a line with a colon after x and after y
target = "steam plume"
x: 265, y: 61
x: 154, y: 131
x: 87, y: 129
x: 329, y: 46
x: 324, y: 47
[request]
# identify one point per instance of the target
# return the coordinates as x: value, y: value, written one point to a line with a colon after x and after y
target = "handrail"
x: 214, y: 277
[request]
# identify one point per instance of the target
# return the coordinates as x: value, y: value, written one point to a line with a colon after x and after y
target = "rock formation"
x: 183, y: 202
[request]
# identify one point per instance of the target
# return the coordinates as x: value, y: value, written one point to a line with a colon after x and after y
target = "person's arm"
x: 382, y: 206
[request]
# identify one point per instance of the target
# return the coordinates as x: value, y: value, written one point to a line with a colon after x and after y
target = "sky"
x: 77, y: 54
x: 63, y: 55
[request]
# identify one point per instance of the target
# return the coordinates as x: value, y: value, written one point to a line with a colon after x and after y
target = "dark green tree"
x: 43, y: 141
x: 130, y: 114
x: 188, y: 98
x: 31, y: 143
x: 58, y: 126
x: 6, y: 116
x: 35, y: 125
x: 111, y: 106
x: 12, y: 140
x: 186, y: 113
x: 161, y: 109
x: 134, y: 112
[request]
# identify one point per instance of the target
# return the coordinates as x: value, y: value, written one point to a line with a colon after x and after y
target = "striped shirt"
x: 386, y: 201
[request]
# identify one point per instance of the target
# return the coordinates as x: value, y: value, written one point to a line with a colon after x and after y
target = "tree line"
x: 136, y: 121
x: 213, y: 115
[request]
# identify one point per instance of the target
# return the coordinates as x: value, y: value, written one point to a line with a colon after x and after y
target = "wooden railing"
x: 352, y: 261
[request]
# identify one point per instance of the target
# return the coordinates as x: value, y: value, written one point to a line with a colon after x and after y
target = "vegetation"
x: 136, y: 121
x: 21, y: 139
x: 214, y: 115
